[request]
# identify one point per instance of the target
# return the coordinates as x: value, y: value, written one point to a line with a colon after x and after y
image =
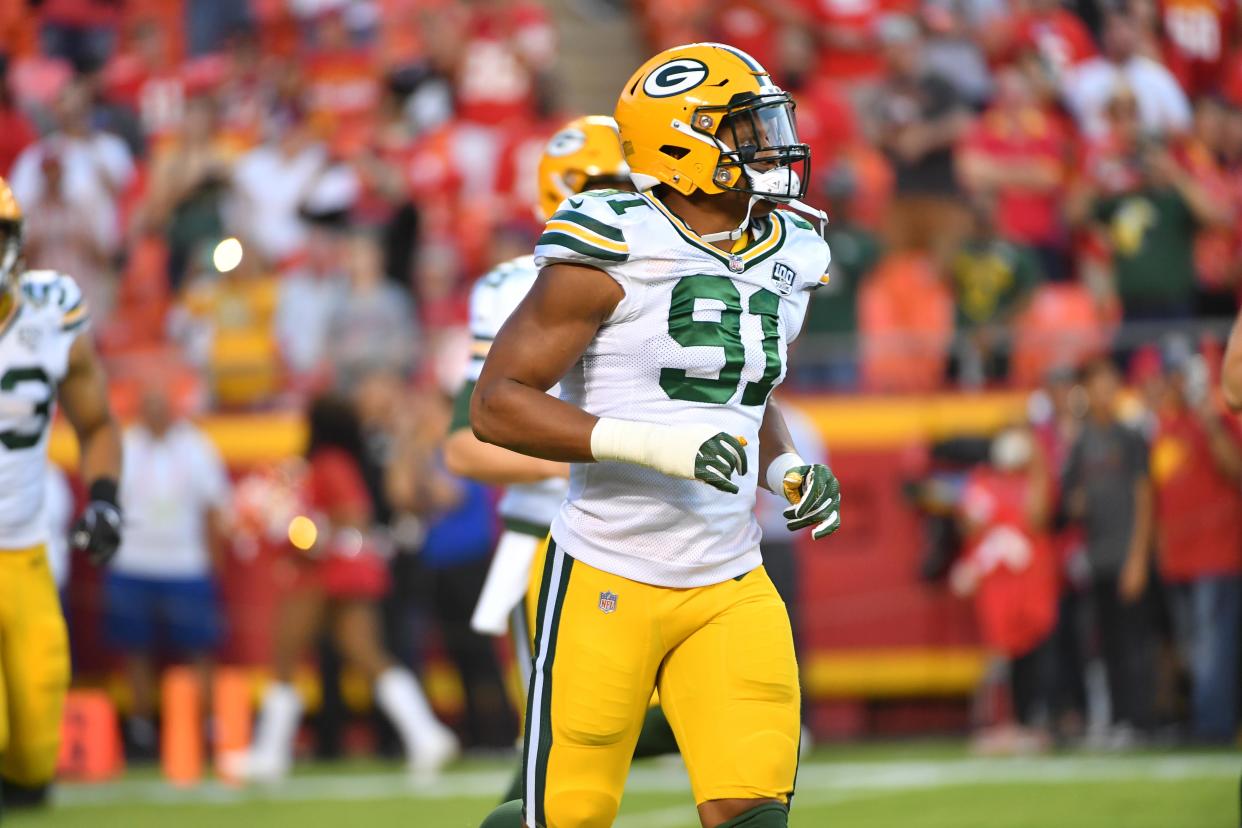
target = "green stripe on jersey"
x: 594, y: 225
x: 578, y: 246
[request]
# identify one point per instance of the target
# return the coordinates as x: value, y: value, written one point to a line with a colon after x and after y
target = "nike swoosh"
x: 575, y: 204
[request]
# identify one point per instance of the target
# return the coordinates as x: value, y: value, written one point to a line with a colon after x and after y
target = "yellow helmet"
x: 584, y: 154
x: 10, y: 235
x: 707, y: 117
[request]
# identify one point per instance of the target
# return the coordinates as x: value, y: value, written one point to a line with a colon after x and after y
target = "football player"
x: 585, y: 154
x: 665, y: 316
x: 43, y: 357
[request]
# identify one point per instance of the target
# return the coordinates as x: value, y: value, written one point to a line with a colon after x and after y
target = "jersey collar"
x: 769, y: 240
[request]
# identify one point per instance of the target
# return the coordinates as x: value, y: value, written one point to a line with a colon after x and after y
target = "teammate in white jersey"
x: 584, y: 154
x: 43, y: 357
x: 665, y: 317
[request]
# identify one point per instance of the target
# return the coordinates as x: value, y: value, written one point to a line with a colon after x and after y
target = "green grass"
x: 885, y: 786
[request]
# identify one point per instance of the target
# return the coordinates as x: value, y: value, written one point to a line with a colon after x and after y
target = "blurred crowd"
x: 1014, y: 185
x: 1100, y: 543
x: 278, y: 201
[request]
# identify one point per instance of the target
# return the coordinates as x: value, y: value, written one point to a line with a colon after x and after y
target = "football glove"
x: 691, y: 451
x: 98, y: 532
x: 815, y: 494
x: 718, y: 458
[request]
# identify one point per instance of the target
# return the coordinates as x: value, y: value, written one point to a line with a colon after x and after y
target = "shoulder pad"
x: 589, y: 228
x: 806, y: 242
x: 57, y: 292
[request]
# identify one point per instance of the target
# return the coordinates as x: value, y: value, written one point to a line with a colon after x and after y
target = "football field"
x: 921, y: 786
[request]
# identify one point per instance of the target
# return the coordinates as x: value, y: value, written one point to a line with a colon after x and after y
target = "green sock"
x: 768, y: 815
x: 508, y: 815
x: 656, y: 737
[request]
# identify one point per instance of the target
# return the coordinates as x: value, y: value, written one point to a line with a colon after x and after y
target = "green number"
x: 726, y: 335
x: 689, y: 332
x: 12, y: 438
x: 620, y: 206
x: 767, y: 306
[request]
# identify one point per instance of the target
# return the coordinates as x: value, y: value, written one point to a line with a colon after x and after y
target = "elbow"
x: 1231, y: 390
x: 486, y: 412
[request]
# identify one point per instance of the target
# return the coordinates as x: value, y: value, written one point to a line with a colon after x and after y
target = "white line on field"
x: 826, y: 779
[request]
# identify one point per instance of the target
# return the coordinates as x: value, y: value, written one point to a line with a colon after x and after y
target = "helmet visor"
x: 760, y: 136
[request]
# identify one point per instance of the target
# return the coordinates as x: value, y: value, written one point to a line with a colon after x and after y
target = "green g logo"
x: 675, y: 77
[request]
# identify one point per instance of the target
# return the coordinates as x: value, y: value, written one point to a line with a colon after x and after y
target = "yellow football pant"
x: 721, y: 656
x: 34, y: 667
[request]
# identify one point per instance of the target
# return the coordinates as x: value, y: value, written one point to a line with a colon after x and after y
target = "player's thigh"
x: 35, y: 663
x: 596, y: 654
x: 730, y: 690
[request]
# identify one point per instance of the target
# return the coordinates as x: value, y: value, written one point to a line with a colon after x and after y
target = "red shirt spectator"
x: 1197, y: 34
x: 16, y: 132
x: 1008, y: 561
x: 342, y: 85
x: 849, y: 47
x: 1198, y: 506
x: 1019, y: 151
x: 145, y: 79
x: 518, y: 168
x: 1057, y: 34
x: 507, y: 45
x: 346, y: 563
x: 826, y: 120
x: 749, y: 26
x: 80, y: 13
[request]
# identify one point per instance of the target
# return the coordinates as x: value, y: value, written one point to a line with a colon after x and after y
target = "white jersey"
x: 494, y: 297
x: 34, y: 357
x: 700, y: 337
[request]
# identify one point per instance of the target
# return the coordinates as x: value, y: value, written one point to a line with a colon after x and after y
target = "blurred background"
x: 1036, y: 221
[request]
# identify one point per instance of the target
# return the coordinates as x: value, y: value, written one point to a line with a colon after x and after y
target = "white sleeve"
x: 587, y: 229
x: 213, y: 479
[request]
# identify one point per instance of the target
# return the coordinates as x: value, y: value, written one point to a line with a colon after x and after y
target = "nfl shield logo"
x: 607, y: 602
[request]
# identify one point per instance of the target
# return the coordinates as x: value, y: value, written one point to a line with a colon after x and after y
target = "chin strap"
x: 794, y: 204
x: 737, y: 232
x: 815, y: 213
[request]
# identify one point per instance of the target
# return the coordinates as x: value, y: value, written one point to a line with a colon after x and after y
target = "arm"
x: 1203, y: 204
x: 979, y: 172
x: 1073, y: 496
x: 468, y: 456
x: 1226, y: 454
x: 1231, y: 371
x: 1039, y: 491
x: 1134, y: 571
x: 774, y: 441
x: 811, y: 488
x: 540, y: 341
x: 84, y: 395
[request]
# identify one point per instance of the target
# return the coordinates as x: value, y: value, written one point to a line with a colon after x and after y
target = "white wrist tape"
x: 777, y: 468
x: 670, y: 449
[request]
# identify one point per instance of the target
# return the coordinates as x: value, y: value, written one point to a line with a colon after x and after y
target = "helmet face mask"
x: 10, y: 252
x: 760, y: 153
x: 706, y: 117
